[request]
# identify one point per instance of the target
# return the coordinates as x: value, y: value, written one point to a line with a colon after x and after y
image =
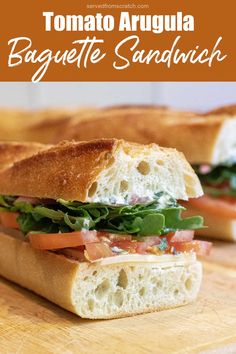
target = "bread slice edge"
x: 100, y: 292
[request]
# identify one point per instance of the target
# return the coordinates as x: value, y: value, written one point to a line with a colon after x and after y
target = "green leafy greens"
x: 219, y: 181
x: 66, y: 216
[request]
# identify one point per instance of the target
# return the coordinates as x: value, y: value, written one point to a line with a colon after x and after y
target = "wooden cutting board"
x: 30, y: 324
x: 223, y: 253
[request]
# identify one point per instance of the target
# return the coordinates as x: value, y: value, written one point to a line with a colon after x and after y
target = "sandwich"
x: 218, y: 176
x: 96, y: 227
x: 207, y: 140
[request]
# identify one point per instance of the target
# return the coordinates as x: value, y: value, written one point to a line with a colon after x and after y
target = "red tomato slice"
x: 228, y: 199
x: 97, y: 250
x: 74, y: 253
x: 182, y: 236
x: 129, y: 246
x: 215, y: 206
x: 202, y: 248
x: 137, y: 246
x: 151, y: 240
x: 148, y: 242
x: 9, y: 219
x: 62, y: 240
x: 114, y: 237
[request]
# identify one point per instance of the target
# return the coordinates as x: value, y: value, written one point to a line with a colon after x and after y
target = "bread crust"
x: 55, y: 277
x: 147, y: 124
x: 229, y: 110
x: 10, y: 152
x: 37, y: 125
x: 63, y: 171
x: 47, y: 130
x: 140, y: 123
x: 50, y: 125
x: 69, y: 169
x: 47, y: 274
x: 195, y: 135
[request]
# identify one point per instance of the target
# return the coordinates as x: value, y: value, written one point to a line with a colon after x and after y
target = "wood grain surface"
x: 223, y: 253
x: 30, y: 324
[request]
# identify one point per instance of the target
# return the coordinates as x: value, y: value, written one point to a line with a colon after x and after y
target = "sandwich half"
x: 217, y: 173
x: 96, y: 228
x: 208, y: 142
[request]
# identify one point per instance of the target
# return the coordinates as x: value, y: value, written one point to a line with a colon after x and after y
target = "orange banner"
x: 120, y: 40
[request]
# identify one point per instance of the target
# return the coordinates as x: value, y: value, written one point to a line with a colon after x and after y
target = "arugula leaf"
x: 218, y: 192
x: 152, y: 225
x: 78, y: 223
x: 173, y: 220
x: 137, y: 220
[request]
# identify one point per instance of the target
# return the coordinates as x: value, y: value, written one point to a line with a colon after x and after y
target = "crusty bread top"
x: 27, y: 125
x: 203, y: 139
x: 64, y: 128
x: 11, y: 152
x: 207, y: 138
x: 225, y: 110
x: 106, y: 170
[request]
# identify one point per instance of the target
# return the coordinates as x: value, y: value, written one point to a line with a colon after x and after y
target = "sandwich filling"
x: 92, y: 231
x: 219, y: 185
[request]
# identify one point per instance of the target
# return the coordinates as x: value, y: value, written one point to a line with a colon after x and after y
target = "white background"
x: 185, y: 95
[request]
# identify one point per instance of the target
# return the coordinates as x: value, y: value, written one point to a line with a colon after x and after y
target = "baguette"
x: 101, y: 171
x: 46, y: 130
x: 229, y: 110
x: 37, y: 125
x: 99, y: 291
x: 49, y: 126
x: 215, y: 134
x: 11, y: 152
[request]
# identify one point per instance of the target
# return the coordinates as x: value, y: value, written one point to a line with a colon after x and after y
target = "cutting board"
x: 223, y: 253
x: 30, y: 324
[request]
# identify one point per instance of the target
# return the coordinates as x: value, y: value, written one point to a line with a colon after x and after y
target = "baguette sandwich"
x: 96, y: 228
x: 208, y: 142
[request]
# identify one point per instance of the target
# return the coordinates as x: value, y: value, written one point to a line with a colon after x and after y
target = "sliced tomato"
x: 9, y: 219
x: 137, y: 246
x: 151, y: 240
x: 114, y: 237
x: 215, y: 206
x: 142, y: 247
x: 179, y: 236
x: 62, y: 240
x: 202, y: 248
x: 97, y: 250
x: 183, y: 236
x: 229, y: 199
x: 76, y: 253
x: 129, y: 246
